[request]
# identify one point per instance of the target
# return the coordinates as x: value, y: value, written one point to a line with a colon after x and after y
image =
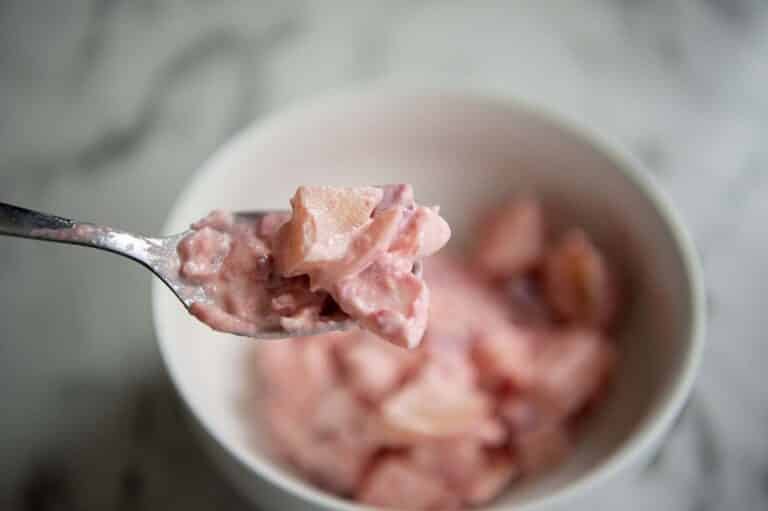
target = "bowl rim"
x: 660, y: 418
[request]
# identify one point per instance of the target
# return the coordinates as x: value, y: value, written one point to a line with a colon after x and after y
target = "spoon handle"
x: 27, y: 223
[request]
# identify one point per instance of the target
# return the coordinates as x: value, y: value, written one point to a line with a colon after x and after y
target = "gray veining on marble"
x: 100, y: 97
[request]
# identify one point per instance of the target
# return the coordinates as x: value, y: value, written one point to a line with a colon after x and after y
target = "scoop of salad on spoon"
x: 341, y: 257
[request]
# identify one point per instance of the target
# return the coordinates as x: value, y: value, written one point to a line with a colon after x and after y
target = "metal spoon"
x: 159, y: 255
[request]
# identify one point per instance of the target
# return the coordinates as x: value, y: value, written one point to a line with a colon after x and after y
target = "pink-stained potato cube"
x: 323, y: 219
x: 424, y: 233
x: 399, y: 484
x: 388, y: 302
x: 571, y: 366
x: 511, y: 238
x: 579, y: 284
x: 435, y: 405
x: 374, y: 368
x: 504, y: 356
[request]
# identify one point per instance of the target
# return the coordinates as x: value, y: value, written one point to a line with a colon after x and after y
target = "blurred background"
x: 107, y: 106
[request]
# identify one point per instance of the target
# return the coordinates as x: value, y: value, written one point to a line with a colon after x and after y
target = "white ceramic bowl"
x: 461, y: 152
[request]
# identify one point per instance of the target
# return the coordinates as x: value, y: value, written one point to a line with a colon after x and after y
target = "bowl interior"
x: 463, y: 154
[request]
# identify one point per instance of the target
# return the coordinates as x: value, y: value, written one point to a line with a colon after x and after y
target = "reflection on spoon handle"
x: 27, y: 223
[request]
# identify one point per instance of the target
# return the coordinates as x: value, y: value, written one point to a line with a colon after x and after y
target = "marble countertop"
x: 108, y: 105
